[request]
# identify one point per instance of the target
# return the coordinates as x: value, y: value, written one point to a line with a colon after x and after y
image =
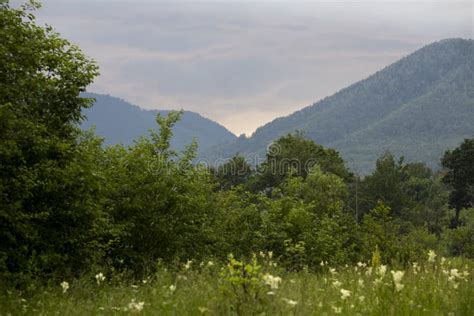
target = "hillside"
x: 417, y: 107
x: 121, y: 123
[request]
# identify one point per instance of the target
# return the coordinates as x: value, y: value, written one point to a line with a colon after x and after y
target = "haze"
x: 246, y: 63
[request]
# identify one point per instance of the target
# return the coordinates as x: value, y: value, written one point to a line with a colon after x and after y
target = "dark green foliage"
x: 460, y: 176
x: 234, y: 172
x: 294, y: 154
x: 163, y: 204
x: 50, y: 219
x: 69, y: 206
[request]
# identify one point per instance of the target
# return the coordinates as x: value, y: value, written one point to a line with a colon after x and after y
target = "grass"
x: 254, y: 288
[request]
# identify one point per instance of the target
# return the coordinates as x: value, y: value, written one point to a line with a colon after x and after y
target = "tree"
x: 459, y: 165
x: 297, y: 155
x: 236, y: 171
x: 49, y: 220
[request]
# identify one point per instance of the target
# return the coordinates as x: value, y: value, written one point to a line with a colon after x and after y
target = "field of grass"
x: 260, y: 287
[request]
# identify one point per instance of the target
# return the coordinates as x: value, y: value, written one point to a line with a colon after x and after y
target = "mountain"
x: 120, y: 122
x: 417, y: 107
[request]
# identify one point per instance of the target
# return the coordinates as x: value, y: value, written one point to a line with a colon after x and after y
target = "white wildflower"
x: 337, y: 310
x: 369, y: 271
x: 336, y: 283
x: 290, y: 302
x: 381, y: 270
x: 361, y: 282
x: 99, y: 278
x: 361, y: 298
x: 65, y: 286
x: 397, y: 276
x: 332, y: 271
x: 361, y: 264
x: 272, y: 281
x: 136, y: 306
x: 210, y: 263
x: 202, y: 310
x: 431, y: 256
x: 172, y: 287
x: 322, y: 263
x: 188, y: 264
x: 443, y: 260
x: 345, y: 294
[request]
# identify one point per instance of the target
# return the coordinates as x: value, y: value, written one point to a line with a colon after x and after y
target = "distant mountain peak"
x: 417, y: 107
x: 121, y: 122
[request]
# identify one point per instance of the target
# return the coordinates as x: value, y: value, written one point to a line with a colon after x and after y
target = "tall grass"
x: 260, y: 287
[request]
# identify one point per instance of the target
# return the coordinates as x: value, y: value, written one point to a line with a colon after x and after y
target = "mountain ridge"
x: 365, y: 104
x: 121, y: 122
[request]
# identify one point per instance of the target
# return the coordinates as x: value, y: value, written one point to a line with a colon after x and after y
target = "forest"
x: 92, y: 229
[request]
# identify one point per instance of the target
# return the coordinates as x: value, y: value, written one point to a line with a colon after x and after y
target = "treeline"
x: 69, y: 205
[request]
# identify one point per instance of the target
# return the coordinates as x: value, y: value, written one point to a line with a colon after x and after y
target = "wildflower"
x: 397, y: 276
x: 345, y: 294
x: 270, y: 293
x: 202, y: 310
x: 272, y: 281
x: 65, y: 286
x: 381, y: 270
x: 336, y: 283
x: 172, y: 287
x: 431, y: 256
x: 369, y: 271
x: 332, y: 270
x: 361, y: 298
x: 337, y: 310
x: 290, y: 302
x: 270, y: 254
x: 361, y: 282
x: 361, y: 264
x: 210, y: 263
x: 188, y: 264
x: 136, y: 306
x: 322, y: 263
x: 415, y: 268
x: 466, y: 274
x: 99, y: 278
x: 443, y: 260
x: 454, y: 273
x: 399, y: 287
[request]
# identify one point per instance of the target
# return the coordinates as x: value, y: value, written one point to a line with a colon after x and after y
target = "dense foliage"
x: 70, y: 206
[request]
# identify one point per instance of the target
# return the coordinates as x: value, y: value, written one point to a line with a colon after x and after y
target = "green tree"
x: 236, y: 171
x: 459, y: 165
x: 297, y: 155
x: 49, y: 219
x: 163, y: 204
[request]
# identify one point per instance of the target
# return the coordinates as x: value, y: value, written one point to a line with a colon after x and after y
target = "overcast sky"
x: 244, y: 63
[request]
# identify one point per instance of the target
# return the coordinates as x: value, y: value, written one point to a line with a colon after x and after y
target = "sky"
x: 245, y: 63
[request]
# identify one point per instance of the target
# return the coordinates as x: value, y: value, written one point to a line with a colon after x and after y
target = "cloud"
x: 245, y: 63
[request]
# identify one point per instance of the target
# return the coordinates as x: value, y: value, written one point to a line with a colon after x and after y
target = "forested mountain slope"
x: 417, y: 107
x: 121, y: 122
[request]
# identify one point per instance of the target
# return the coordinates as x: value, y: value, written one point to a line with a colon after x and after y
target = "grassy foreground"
x: 259, y: 287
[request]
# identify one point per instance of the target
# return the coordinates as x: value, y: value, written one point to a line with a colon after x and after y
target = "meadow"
x: 434, y: 286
